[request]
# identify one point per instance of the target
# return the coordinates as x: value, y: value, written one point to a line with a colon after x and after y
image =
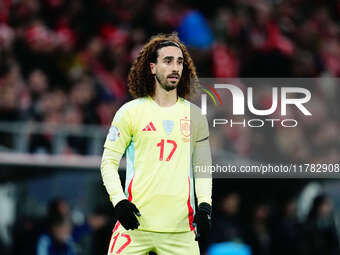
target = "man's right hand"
x: 126, y: 214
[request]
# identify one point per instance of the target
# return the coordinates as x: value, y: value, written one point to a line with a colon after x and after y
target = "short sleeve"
x: 120, y: 132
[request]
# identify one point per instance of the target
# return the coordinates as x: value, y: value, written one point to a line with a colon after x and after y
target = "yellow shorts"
x: 138, y: 242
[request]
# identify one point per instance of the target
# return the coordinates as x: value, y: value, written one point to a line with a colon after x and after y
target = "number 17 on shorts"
x: 119, y: 241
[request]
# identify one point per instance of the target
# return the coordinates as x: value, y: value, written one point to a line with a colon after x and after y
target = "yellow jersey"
x: 159, y: 144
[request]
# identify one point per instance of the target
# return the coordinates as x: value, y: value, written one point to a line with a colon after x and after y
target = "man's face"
x: 169, y: 67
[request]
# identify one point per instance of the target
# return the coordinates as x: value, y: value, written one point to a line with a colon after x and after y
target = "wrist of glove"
x: 126, y: 214
x: 202, y: 221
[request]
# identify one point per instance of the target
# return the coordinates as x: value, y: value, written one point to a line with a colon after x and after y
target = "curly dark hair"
x: 141, y: 81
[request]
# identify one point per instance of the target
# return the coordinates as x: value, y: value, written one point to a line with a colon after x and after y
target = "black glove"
x: 125, y: 212
x: 202, y: 221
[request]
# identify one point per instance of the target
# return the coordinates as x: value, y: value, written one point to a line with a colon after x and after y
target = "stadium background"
x: 63, y: 70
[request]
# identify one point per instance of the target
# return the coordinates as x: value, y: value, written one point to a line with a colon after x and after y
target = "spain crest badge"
x: 185, y: 127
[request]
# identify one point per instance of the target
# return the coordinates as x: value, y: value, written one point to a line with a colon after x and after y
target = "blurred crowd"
x: 66, y: 62
x: 59, y: 233
x: 274, y: 228
x: 265, y: 227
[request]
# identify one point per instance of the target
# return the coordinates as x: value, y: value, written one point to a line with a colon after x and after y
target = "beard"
x: 168, y: 86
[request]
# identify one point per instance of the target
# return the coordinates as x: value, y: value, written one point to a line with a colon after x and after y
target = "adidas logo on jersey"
x: 149, y: 127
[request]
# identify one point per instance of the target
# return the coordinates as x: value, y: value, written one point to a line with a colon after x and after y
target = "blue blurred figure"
x: 229, y: 248
x: 57, y: 241
x: 195, y: 32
